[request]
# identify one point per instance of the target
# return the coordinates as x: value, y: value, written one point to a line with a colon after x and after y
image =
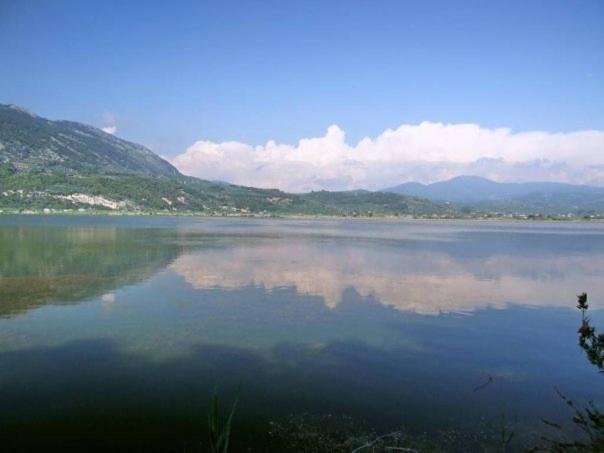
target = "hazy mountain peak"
x: 470, y: 179
x: 21, y: 109
x: 532, y: 196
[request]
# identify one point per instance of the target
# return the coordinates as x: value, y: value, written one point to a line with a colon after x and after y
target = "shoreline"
x: 479, y: 218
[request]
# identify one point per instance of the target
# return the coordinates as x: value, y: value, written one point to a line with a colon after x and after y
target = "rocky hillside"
x: 32, y: 143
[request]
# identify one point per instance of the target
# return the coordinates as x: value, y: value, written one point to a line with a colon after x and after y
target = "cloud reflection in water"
x: 411, y: 276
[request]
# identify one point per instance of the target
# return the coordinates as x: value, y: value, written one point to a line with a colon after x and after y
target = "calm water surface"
x: 122, y: 326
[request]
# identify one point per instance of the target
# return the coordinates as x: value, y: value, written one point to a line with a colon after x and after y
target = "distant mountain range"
x: 469, y: 189
x: 64, y: 165
x: 529, y: 197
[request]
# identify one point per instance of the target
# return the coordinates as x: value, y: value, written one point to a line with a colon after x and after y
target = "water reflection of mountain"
x: 58, y: 265
x: 423, y: 276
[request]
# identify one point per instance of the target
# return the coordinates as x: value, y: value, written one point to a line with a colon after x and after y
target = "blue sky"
x: 168, y: 74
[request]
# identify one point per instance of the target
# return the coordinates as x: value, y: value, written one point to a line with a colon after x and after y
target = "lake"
x: 117, y: 330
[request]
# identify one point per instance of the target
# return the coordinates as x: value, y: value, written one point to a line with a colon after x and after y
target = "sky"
x: 309, y: 95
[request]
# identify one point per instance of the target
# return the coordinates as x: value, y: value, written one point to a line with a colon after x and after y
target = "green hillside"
x: 36, y: 191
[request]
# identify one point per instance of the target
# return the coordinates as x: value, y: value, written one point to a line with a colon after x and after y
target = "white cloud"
x: 425, y: 152
x: 110, y: 123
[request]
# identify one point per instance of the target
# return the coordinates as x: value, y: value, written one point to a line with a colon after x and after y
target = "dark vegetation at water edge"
x: 219, y: 428
x: 589, y: 420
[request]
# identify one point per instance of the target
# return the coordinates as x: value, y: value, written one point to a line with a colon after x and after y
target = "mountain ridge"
x: 32, y: 142
x: 485, y: 195
x: 468, y: 188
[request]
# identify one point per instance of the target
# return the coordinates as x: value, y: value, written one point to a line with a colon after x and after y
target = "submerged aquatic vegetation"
x: 302, y: 433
